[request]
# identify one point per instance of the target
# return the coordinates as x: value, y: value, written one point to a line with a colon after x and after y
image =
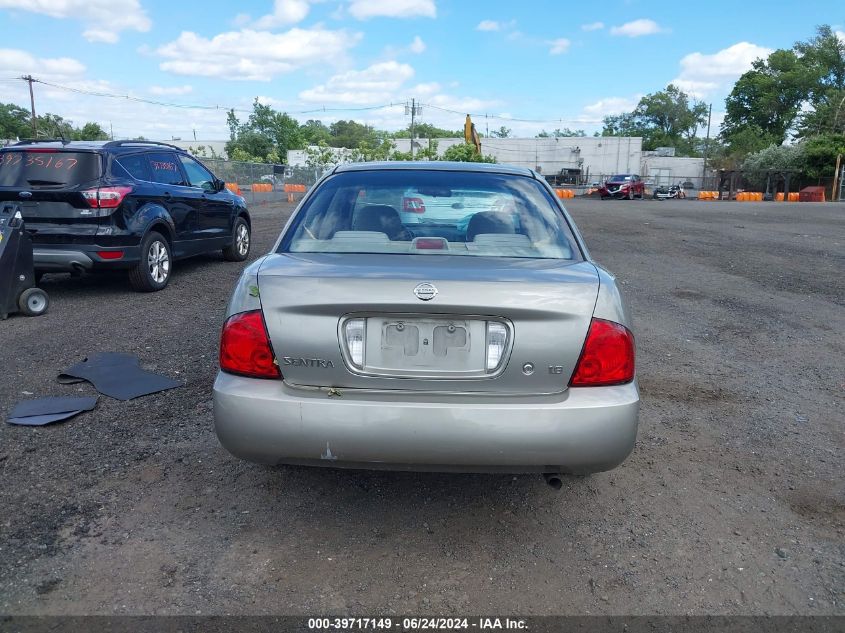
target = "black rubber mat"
x: 41, y: 411
x: 118, y: 376
x: 41, y: 420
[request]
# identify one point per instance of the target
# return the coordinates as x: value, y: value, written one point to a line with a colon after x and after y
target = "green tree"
x: 280, y: 128
x: 621, y: 125
x: 820, y: 154
x: 320, y: 157
x: 351, y: 134
x: 14, y: 122
x: 767, y: 98
x: 824, y: 58
x: 265, y: 137
x: 313, y: 132
x: 90, y: 132
x: 429, y: 151
x: 465, y: 153
x: 375, y: 150
x: 560, y: 133
x: 666, y: 118
x: 427, y: 130
x: 774, y: 157
x: 502, y: 132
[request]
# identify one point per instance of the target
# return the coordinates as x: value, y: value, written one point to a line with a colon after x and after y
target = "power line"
x: 508, y: 118
x: 194, y: 106
x: 316, y: 110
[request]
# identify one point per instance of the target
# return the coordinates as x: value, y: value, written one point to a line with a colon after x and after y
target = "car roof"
x: 436, y: 165
x: 111, y: 146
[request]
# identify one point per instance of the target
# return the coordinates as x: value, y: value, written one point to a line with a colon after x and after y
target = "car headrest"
x: 488, y: 222
x: 383, y: 219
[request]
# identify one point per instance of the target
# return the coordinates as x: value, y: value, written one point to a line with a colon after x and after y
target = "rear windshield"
x: 432, y: 213
x: 47, y: 168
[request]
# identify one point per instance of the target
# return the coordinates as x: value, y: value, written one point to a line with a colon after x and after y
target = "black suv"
x: 132, y: 205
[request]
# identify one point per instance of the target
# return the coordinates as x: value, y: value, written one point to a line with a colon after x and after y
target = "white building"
x: 592, y: 155
x: 669, y: 170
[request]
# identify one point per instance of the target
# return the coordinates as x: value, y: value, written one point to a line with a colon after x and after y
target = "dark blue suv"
x: 131, y: 205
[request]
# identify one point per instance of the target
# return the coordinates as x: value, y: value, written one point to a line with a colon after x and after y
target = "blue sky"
x: 527, y: 65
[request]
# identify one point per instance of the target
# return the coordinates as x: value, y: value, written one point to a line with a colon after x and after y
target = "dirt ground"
x: 732, y: 503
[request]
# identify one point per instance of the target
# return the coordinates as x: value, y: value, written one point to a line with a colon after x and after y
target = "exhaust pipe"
x: 553, y: 479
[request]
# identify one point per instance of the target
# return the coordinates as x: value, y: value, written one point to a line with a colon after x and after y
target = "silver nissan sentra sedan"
x: 478, y: 337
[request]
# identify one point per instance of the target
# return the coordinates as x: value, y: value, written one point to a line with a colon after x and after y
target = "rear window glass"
x: 432, y: 213
x: 47, y: 168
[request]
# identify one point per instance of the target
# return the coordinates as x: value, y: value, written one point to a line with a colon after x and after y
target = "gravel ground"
x: 732, y: 502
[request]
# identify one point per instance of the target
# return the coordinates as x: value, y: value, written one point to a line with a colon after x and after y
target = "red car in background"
x: 628, y: 186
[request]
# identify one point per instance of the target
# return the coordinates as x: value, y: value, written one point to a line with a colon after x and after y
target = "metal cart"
x: 18, y: 292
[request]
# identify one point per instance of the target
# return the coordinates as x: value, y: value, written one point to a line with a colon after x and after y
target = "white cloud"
x: 171, y: 90
x: 426, y: 89
x: 254, y: 55
x: 15, y: 62
x: 417, y: 46
x: 592, y: 26
x: 841, y: 36
x: 104, y: 19
x: 559, y: 46
x: 595, y: 112
x: 637, y: 28
x: 378, y: 83
x: 389, y: 83
x: 488, y: 25
x: 285, y: 12
x: 703, y: 74
x: 365, y: 9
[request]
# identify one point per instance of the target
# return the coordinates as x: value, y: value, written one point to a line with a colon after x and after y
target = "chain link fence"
x: 263, y: 183
x: 589, y: 185
x: 693, y: 185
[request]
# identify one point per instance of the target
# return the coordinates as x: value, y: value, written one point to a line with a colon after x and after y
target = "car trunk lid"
x: 535, y: 313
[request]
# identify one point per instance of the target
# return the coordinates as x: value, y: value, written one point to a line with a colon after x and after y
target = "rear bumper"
x: 580, y: 431
x: 73, y: 258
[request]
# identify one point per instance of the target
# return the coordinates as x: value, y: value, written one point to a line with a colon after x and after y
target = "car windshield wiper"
x: 36, y: 181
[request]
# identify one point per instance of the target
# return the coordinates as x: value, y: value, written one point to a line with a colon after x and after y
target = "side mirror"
x: 219, y: 185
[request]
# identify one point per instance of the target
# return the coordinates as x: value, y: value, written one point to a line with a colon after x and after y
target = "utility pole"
x: 706, y: 147
x: 28, y: 78
x: 414, y: 110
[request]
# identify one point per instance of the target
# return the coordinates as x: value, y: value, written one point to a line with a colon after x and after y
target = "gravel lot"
x: 732, y: 503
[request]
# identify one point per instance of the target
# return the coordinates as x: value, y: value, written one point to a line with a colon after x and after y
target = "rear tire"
x: 238, y: 250
x: 33, y: 302
x: 152, y: 273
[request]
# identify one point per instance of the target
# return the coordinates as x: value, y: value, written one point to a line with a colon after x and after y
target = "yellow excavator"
x: 471, y: 135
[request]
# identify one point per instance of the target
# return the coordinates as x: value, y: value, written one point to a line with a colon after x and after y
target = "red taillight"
x: 413, y: 205
x: 245, y: 347
x: 607, y: 357
x: 110, y: 254
x: 106, y: 197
